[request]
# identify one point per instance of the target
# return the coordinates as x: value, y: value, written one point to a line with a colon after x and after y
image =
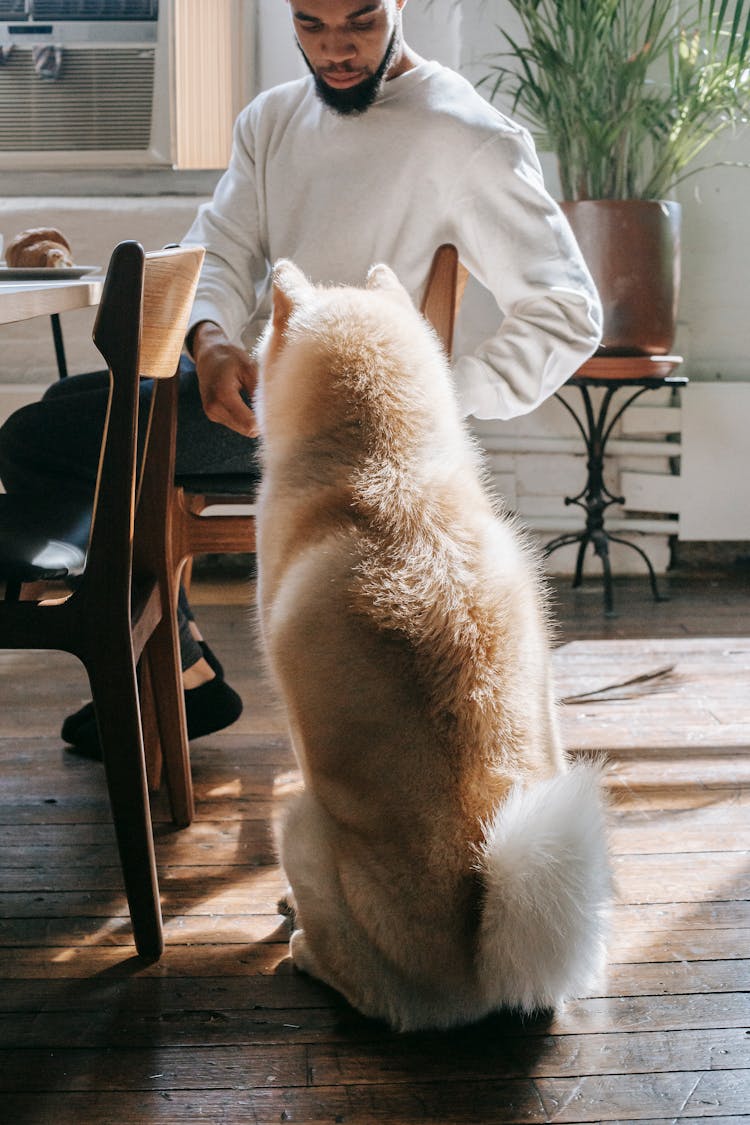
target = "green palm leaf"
x: 625, y: 92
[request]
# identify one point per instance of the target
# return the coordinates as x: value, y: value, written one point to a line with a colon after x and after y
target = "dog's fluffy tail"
x: 547, y: 888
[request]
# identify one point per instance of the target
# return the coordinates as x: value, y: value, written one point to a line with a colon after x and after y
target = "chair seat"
x: 221, y: 484
x: 42, y: 539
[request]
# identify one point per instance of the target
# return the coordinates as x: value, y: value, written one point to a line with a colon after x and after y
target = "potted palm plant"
x: 627, y: 94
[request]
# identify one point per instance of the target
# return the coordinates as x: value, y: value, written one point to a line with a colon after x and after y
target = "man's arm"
x: 514, y: 239
x: 225, y: 372
x: 230, y: 228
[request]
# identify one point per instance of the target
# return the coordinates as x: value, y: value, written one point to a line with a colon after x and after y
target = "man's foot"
x: 212, y: 660
x: 85, y: 714
x: 211, y: 706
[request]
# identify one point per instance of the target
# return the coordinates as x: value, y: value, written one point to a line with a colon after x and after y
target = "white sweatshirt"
x: 430, y: 162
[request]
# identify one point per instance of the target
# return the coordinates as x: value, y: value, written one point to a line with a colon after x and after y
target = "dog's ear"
x: 382, y: 277
x: 289, y: 288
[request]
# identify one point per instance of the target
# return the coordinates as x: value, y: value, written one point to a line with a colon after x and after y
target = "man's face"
x: 350, y: 46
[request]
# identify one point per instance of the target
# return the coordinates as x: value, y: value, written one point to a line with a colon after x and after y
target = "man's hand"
x: 224, y: 371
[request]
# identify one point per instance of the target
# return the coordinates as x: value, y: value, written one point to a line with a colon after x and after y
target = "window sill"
x: 121, y: 181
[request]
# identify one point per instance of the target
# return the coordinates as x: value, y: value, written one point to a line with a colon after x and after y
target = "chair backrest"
x: 139, y: 330
x: 444, y: 289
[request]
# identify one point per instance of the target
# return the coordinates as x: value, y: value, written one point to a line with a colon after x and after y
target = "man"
x: 378, y: 155
x: 381, y: 155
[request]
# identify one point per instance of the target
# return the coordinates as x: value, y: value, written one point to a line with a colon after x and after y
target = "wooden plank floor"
x: 222, y: 1030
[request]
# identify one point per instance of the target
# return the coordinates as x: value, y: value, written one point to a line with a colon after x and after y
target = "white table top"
x: 21, y: 300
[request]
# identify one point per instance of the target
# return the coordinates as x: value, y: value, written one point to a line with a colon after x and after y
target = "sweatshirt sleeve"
x: 515, y: 240
x: 235, y: 265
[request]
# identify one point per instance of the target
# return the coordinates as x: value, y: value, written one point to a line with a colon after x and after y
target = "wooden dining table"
x: 22, y: 300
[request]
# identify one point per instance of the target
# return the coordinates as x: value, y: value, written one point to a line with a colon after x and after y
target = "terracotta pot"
x: 632, y: 247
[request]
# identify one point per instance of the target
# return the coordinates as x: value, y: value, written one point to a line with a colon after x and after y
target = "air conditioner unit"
x: 93, y: 83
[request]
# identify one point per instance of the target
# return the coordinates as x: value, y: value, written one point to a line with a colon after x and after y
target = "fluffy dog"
x: 444, y: 858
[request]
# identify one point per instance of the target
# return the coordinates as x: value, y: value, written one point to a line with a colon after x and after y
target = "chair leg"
x: 115, y: 693
x: 150, y: 726
x: 162, y: 655
x: 186, y: 577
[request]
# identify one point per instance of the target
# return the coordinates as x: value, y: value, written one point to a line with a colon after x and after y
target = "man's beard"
x: 355, y: 99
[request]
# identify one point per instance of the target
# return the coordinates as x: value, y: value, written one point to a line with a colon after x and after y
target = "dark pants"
x: 53, y: 446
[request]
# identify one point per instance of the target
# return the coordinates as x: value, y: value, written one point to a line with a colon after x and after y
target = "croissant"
x: 42, y: 247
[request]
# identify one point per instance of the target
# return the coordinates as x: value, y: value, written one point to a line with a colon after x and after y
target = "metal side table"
x: 613, y: 374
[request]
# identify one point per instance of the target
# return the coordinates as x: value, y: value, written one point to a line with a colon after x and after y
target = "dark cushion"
x: 41, y: 538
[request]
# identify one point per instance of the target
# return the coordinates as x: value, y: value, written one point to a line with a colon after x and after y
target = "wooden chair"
x: 444, y: 292
x: 120, y: 607
x: 196, y: 531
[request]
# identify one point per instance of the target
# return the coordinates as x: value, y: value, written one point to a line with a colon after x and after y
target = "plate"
x: 39, y: 273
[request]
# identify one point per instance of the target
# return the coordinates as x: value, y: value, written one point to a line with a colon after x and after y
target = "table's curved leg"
x: 57, y: 336
x: 562, y: 541
x: 600, y: 540
x: 596, y: 422
x: 578, y: 576
x: 658, y: 597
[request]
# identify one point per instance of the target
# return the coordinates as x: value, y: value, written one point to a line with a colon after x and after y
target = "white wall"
x: 723, y: 511
x: 715, y: 301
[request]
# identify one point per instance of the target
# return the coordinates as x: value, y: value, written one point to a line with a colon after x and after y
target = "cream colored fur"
x: 444, y: 859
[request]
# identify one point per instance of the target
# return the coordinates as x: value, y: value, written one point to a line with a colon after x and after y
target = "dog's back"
x: 404, y: 624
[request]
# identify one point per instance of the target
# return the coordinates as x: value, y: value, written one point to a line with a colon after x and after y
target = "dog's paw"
x: 301, y: 954
x: 287, y: 906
